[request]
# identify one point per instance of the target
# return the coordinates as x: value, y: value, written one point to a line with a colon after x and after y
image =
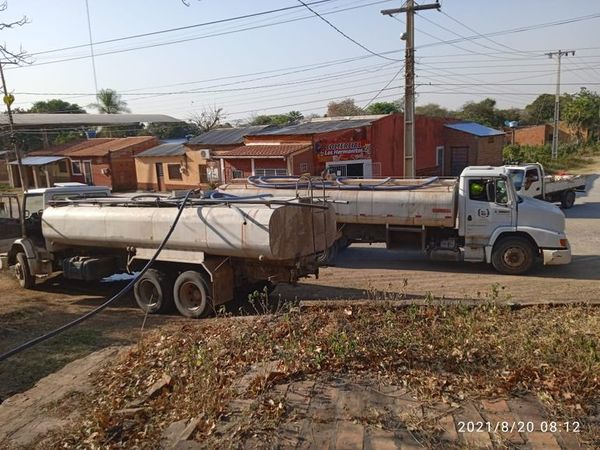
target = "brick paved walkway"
x: 342, y: 414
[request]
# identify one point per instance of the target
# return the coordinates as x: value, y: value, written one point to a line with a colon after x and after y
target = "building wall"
x: 243, y: 165
x: 304, y: 158
x: 482, y: 151
x: 541, y: 135
x: 489, y: 151
x: 3, y: 172
x: 193, y: 163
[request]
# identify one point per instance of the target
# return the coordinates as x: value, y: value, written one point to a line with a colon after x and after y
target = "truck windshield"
x: 516, y: 176
x: 33, y: 203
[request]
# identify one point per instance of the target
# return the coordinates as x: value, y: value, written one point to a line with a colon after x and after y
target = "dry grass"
x: 443, y: 353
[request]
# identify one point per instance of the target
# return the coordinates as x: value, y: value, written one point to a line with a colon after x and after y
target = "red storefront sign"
x: 342, y: 151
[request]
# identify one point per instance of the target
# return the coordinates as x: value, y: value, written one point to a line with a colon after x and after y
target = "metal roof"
x: 164, y: 150
x: 475, y: 129
x: 262, y: 151
x: 28, y: 119
x: 314, y: 127
x: 38, y: 160
x: 226, y: 136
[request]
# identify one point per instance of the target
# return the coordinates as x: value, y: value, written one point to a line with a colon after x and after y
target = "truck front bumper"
x: 556, y: 257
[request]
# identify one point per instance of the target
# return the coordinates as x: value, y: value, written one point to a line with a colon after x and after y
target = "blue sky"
x: 299, y: 65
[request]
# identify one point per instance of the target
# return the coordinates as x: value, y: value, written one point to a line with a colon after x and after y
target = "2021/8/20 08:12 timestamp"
x: 518, y: 426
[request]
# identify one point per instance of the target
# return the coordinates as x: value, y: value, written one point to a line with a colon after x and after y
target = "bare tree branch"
x: 208, y: 119
x: 12, y: 57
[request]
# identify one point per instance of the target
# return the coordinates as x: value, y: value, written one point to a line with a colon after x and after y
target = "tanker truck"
x: 476, y: 218
x: 218, y: 250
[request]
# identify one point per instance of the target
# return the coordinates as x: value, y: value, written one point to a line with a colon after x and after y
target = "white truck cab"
x: 530, y: 180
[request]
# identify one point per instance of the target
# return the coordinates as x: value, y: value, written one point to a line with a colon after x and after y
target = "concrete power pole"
x: 559, y: 54
x: 409, y: 81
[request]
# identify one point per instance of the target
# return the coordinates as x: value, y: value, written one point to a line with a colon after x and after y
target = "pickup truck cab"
x: 530, y: 180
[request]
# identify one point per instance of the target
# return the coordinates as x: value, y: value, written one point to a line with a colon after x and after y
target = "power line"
x: 344, y: 34
x: 385, y: 87
x: 178, y: 41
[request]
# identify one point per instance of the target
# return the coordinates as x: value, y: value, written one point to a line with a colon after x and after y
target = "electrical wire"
x: 385, y: 87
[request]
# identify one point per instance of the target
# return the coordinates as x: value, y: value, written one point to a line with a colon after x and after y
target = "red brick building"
x: 103, y: 161
x: 361, y: 146
x: 539, y: 135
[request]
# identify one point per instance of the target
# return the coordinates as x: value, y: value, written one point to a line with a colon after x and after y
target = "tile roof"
x: 263, y: 150
x: 94, y: 147
x: 474, y: 128
x: 164, y: 150
x: 314, y: 127
x: 225, y: 136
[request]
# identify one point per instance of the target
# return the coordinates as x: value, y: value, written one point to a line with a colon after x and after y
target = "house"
x: 5, y: 177
x: 172, y: 166
x: 540, y: 134
x: 266, y: 160
x: 470, y: 144
x: 42, y: 171
x: 224, y: 139
x: 362, y: 146
x: 101, y: 162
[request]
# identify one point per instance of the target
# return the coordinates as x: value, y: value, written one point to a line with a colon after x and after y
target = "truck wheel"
x: 154, y: 292
x: 513, y: 256
x: 21, y: 268
x: 327, y: 256
x: 193, y: 295
x: 567, y: 199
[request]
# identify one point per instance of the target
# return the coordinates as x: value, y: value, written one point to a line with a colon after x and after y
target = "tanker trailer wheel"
x: 513, y: 256
x: 192, y: 294
x: 567, y: 199
x: 327, y: 256
x: 154, y: 292
x: 21, y: 268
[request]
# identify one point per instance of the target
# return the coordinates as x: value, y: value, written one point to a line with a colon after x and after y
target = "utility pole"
x: 8, y: 100
x: 409, y: 80
x: 559, y: 54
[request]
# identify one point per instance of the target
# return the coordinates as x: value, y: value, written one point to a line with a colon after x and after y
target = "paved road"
x: 364, y: 271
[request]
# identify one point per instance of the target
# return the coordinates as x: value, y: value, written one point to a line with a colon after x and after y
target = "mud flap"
x: 221, y: 275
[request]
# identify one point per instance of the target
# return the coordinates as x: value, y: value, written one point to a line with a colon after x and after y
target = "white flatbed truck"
x: 530, y: 180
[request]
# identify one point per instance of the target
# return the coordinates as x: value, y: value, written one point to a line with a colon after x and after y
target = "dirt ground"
x: 361, y: 272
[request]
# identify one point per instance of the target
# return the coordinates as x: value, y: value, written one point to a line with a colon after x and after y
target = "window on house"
x: 237, y: 174
x: 270, y: 172
x: 174, y: 171
x: 439, y: 156
x: 303, y: 167
x: 76, y: 166
x: 62, y: 166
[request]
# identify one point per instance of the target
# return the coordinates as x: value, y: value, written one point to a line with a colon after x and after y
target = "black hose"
x: 117, y: 296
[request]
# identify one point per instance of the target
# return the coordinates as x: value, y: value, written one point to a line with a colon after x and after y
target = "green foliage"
x: 569, y: 155
x: 433, y: 110
x: 170, y: 130
x: 109, y: 102
x: 483, y: 112
x: 277, y: 119
x: 582, y: 111
x: 541, y: 110
x: 56, y: 106
x: 345, y: 107
x: 384, y: 108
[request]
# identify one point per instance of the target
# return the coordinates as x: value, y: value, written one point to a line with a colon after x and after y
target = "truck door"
x: 486, y: 209
x: 532, y: 183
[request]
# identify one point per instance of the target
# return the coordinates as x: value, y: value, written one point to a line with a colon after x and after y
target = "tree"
x: 433, y: 110
x: 344, y: 108
x: 483, y: 112
x: 56, y: 106
x: 109, y: 102
x: 290, y: 118
x: 170, y: 130
x: 541, y: 110
x: 582, y: 112
x: 385, y: 108
x: 208, y: 119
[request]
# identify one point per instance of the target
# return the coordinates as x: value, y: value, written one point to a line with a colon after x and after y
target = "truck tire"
x: 192, y: 295
x: 567, y: 199
x: 21, y: 268
x: 154, y: 292
x: 513, y: 256
x: 328, y: 256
